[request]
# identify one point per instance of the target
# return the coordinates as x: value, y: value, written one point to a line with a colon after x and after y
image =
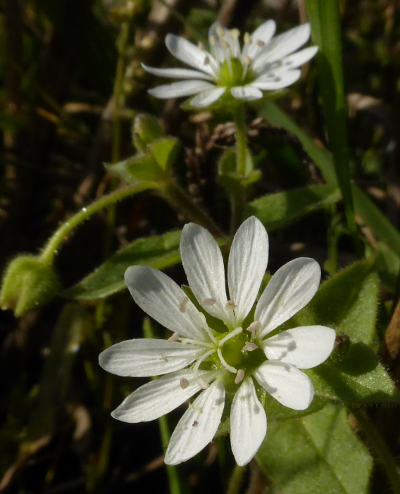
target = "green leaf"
x: 282, y: 208
x: 229, y: 178
x: 146, y: 129
x: 159, y: 251
x: 164, y: 151
x: 348, y: 303
x: 138, y: 168
x: 314, y: 454
x: 388, y: 266
x: 325, y: 32
x: 364, y: 207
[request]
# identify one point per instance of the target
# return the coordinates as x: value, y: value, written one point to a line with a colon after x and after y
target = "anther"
x: 230, y: 305
x: 220, y: 31
x: 247, y: 60
x: 260, y: 43
x: 174, y: 337
x: 235, y: 33
x: 254, y: 326
x: 249, y: 347
x: 213, y: 40
x: 206, y: 60
x: 183, y: 304
x: 209, y: 301
x: 247, y: 38
x: 239, y: 376
x: 164, y: 357
x: 201, y: 46
x: 184, y: 383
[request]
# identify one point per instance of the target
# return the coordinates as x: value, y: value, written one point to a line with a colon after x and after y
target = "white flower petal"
x: 248, y: 423
x: 148, y: 357
x: 289, y: 290
x: 180, y: 88
x: 204, y: 268
x: 264, y: 34
x: 207, y: 97
x: 177, y: 73
x: 246, y: 93
x: 277, y: 80
x: 286, y: 384
x: 265, y: 31
x: 247, y: 263
x: 163, y: 300
x: 197, y: 426
x: 189, y: 53
x: 282, y: 45
x: 299, y: 58
x: 305, y: 346
x: 160, y: 396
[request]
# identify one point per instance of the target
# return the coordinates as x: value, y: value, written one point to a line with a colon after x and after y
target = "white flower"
x: 218, y: 357
x: 264, y: 63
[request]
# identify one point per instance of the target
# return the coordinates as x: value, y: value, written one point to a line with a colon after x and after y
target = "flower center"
x: 232, y: 73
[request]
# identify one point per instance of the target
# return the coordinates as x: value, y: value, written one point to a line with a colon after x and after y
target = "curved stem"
x: 60, y: 235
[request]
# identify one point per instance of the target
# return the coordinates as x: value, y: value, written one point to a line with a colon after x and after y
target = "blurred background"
x: 71, y: 85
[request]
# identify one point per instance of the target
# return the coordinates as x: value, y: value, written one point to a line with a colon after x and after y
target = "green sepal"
x: 164, y: 151
x: 146, y: 129
x: 229, y: 178
x: 28, y: 283
x: 138, y: 168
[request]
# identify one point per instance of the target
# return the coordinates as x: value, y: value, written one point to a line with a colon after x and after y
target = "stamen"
x: 206, y: 60
x: 206, y: 344
x: 225, y: 363
x: 174, y: 337
x: 235, y: 33
x: 247, y: 60
x: 254, y: 326
x: 207, y: 329
x: 184, y: 383
x: 249, y: 347
x: 220, y: 31
x: 239, y: 376
x: 183, y: 304
x: 247, y: 38
x: 230, y: 305
x: 201, y: 46
x: 164, y: 357
x: 209, y: 301
x: 230, y: 335
x: 202, y: 383
x: 213, y: 40
x: 200, y: 360
x: 260, y: 43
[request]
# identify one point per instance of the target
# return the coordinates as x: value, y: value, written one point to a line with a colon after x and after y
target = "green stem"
x: 236, y: 480
x: 241, y: 139
x: 60, y: 235
x: 376, y: 442
x: 182, y: 202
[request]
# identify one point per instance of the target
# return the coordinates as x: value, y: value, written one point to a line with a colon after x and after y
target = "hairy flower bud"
x: 28, y: 282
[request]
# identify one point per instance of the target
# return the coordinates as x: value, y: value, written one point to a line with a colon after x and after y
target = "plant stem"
x: 238, y: 194
x: 241, y: 139
x: 182, y: 202
x: 376, y: 442
x: 236, y: 479
x: 60, y: 235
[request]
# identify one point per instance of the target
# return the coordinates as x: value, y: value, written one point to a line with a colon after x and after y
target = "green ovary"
x: 232, y: 350
x: 232, y: 74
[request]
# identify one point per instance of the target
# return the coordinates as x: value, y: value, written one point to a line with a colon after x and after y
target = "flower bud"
x: 146, y: 129
x: 28, y: 282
